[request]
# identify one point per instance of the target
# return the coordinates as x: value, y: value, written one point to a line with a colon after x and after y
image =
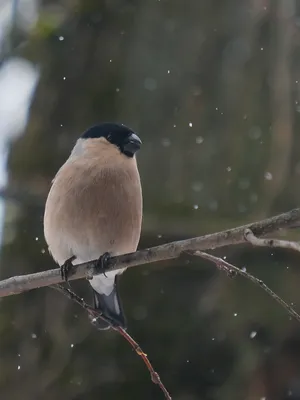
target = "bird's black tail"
x: 111, y: 307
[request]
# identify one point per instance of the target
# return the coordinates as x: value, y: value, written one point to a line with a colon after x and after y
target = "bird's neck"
x: 101, y: 152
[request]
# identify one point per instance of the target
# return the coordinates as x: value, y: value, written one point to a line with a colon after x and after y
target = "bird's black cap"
x: 118, y: 134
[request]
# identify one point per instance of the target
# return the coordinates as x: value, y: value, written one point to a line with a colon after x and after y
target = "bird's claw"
x: 101, y: 265
x: 66, y: 268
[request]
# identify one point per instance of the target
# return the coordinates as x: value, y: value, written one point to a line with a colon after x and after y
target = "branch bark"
x: 283, y: 244
x: 18, y: 284
x: 230, y: 269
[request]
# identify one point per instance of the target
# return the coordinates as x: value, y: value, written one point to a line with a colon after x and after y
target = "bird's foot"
x: 101, y: 265
x: 66, y: 268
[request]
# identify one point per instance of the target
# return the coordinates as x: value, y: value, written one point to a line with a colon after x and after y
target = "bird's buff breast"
x: 88, y: 213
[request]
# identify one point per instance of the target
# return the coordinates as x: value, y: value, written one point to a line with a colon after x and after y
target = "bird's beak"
x: 133, y: 144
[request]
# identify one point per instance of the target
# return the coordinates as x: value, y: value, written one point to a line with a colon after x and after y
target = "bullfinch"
x: 94, y: 210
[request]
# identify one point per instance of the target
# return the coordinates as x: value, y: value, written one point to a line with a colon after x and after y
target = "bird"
x: 94, y: 211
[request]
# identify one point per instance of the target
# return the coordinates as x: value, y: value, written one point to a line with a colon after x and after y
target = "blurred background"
x: 213, y: 89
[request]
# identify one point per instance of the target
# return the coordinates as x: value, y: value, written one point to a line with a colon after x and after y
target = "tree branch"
x: 284, y: 244
x: 230, y: 269
x: 18, y: 284
x: 136, y: 347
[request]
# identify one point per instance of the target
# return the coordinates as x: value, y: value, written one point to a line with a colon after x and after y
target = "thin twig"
x: 136, y: 347
x: 154, y: 375
x: 222, y: 264
x: 95, y: 314
x: 18, y: 284
x: 73, y: 296
x: 284, y: 244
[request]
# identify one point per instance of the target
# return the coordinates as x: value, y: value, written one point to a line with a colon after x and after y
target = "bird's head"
x: 119, y: 135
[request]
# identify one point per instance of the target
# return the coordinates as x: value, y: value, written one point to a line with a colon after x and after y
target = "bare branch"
x: 18, y: 284
x: 284, y: 244
x: 136, y: 347
x: 224, y: 265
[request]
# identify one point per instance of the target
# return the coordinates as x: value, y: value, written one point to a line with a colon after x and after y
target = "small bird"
x: 94, y: 210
